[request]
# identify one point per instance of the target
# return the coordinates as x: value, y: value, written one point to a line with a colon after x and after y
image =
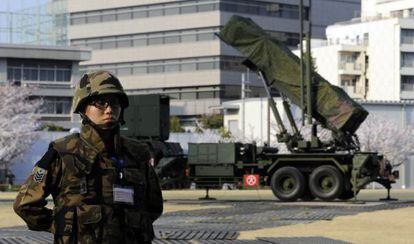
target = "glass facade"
x: 44, y: 23
x: 288, y: 11
x: 168, y: 37
x: 38, y: 71
x: 225, y: 63
x: 148, y: 39
x: 56, y: 105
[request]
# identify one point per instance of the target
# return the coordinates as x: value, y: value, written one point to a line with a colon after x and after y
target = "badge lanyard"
x: 119, y: 163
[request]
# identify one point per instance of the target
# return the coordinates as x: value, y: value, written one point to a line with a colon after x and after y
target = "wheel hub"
x: 327, y: 183
x: 288, y: 184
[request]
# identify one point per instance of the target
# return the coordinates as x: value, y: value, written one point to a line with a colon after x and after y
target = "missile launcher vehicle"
x: 313, y: 169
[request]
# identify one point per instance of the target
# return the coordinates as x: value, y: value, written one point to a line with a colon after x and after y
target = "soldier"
x: 103, y: 187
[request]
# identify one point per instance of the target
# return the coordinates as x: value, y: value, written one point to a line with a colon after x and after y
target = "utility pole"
x: 302, y: 81
x: 308, y: 68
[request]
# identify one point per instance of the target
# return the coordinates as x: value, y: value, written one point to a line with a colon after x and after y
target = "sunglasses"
x: 103, y: 102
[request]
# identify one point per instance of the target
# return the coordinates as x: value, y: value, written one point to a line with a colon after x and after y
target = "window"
x: 172, y: 67
x: 108, y: 44
x: 407, y: 83
x: 188, y: 67
x: 124, y: 15
x: 205, y: 66
x: 189, y: 38
x: 139, y: 70
x: 124, y: 43
x: 349, y: 85
x: 253, y: 7
x: 407, y: 36
x: 174, y: 95
x: 155, y: 12
x: 172, y: 11
x: 156, y: 69
x: 177, y: 65
x: 188, y: 95
x: 108, y: 17
x: 155, y: 41
x: 140, y: 14
x: 171, y: 39
x: 205, y: 36
x: 78, y: 20
x: 205, y: 94
x: 139, y: 42
x: 17, y: 74
x: 94, y: 45
x: 407, y: 60
x: 205, y: 7
x: 93, y: 19
x: 188, y: 9
x: 30, y: 74
x: 60, y: 75
x: 56, y: 105
x: 124, y: 71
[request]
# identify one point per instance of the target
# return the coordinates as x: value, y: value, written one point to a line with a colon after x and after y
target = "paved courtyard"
x: 222, y: 220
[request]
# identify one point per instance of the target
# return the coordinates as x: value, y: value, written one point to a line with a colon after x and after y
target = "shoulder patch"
x: 47, y: 159
x: 39, y: 175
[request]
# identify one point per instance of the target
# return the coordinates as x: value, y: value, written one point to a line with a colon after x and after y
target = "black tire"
x: 288, y: 184
x: 326, y: 182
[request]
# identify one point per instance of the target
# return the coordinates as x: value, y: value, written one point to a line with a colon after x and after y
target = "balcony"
x: 351, y: 68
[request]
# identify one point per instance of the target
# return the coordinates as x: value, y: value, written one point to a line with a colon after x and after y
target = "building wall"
x: 382, y: 49
x: 327, y: 63
x: 383, y: 8
x: 127, y: 61
x: 51, y: 70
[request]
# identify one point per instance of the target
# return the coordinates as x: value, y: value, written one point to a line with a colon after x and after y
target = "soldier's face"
x: 104, y: 110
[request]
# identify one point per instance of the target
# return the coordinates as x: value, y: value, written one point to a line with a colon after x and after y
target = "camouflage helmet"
x: 97, y: 83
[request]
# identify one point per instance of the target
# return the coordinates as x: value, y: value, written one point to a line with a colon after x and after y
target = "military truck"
x: 313, y: 169
x: 147, y: 120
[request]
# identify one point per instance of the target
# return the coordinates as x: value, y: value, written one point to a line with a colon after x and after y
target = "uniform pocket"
x: 89, y: 214
x: 88, y: 220
x: 135, y: 178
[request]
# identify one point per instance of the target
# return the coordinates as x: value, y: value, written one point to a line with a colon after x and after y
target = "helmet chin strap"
x: 110, y: 126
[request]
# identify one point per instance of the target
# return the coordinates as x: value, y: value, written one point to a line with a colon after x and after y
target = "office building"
x: 169, y: 47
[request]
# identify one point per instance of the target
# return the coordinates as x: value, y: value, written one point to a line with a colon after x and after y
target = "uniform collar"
x: 94, y: 143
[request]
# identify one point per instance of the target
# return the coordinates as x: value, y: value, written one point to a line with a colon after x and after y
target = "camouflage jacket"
x: 80, y: 175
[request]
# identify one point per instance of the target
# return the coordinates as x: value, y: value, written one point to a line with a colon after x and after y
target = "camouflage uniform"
x: 80, y: 174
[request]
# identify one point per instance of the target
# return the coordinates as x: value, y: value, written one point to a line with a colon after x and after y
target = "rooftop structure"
x: 52, y: 70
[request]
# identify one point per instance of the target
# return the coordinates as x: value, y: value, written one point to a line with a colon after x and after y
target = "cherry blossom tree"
x: 386, y: 137
x: 18, y: 122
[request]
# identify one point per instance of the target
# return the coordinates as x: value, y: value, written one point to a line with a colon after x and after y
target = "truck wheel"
x: 288, y: 184
x: 326, y: 182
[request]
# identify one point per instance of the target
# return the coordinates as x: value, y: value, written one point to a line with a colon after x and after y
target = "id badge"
x: 123, y: 194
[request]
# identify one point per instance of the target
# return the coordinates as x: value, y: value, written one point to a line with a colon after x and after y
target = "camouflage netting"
x: 332, y: 107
